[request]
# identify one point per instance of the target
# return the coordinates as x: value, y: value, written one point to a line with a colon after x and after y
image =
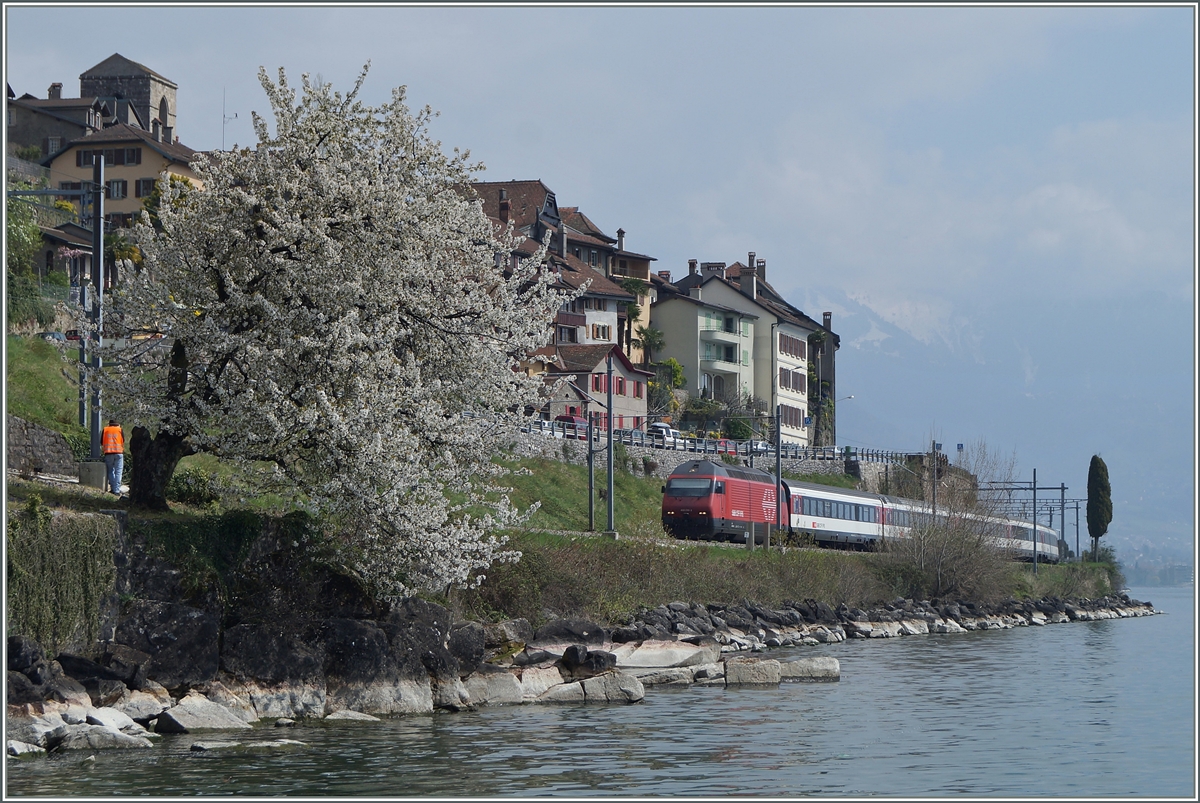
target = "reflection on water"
x: 1090, y: 709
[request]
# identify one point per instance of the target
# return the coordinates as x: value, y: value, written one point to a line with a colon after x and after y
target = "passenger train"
x: 710, y: 501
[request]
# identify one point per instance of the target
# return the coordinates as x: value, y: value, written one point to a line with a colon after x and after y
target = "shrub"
x: 649, y: 465
x: 194, y: 486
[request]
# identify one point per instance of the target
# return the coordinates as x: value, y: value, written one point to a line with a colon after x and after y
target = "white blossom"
x: 335, y: 294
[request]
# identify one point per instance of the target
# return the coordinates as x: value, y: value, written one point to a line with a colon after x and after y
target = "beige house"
x: 134, y: 159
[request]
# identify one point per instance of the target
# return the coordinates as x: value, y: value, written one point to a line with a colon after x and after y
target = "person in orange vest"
x: 112, y: 443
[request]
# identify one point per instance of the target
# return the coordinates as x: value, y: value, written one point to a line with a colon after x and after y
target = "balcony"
x: 715, y: 334
x: 570, y: 319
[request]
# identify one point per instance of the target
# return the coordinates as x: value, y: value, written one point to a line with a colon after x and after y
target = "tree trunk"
x: 154, y: 460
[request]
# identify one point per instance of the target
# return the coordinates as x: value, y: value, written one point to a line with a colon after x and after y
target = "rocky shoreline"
x: 416, y: 661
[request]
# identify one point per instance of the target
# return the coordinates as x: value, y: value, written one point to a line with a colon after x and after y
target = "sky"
x: 997, y: 204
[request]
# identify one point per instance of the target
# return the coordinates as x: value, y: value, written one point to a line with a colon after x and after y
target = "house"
x: 719, y: 310
x: 68, y: 248
x: 134, y: 159
x: 579, y: 253
x: 587, y: 394
x: 117, y: 91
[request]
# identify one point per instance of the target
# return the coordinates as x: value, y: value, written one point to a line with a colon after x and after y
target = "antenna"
x: 224, y: 120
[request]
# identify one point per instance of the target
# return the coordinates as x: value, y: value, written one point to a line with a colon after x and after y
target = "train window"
x: 720, y: 488
x: 688, y: 486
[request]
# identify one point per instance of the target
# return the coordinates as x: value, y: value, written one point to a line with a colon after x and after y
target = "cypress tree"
x: 1099, y: 502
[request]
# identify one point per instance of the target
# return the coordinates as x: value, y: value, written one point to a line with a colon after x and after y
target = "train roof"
x: 722, y: 469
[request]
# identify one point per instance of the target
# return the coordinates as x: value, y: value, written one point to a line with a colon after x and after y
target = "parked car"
x: 573, y: 426
x: 53, y: 337
x: 726, y: 446
x: 662, y: 434
x: 760, y: 447
x: 72, y: 334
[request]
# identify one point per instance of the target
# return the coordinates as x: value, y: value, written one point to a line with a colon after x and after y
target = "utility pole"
x: 778, y: 475
x: 97, y: 314
x: 591, y: 436
x: 612, y: 530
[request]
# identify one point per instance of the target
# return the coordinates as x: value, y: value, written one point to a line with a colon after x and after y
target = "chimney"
x: 692, y: 267
x: 827, y: 320
x: 750, y: 261
x: 562, y: 239
x: 694, y: 291
x: 55, y: 92
x: 505, y: 206
x: 712, y: 269
x: 620, y: 239
x: 167, y: 134
x: 665, y: 275
x: 760, y: 270
x: 155, y: 131
x: 748, y: 284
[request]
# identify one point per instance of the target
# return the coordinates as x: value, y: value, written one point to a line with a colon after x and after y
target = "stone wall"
x: 535, y: 444
x: 34, y: 449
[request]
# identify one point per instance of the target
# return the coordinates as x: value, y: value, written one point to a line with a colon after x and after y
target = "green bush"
x: 194, y: 486
x: 25, y: 302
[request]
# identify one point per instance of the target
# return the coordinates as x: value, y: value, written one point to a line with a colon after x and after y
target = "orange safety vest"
x: 112, y: 441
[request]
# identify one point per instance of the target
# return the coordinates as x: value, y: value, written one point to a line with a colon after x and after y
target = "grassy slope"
x: 39, y: 385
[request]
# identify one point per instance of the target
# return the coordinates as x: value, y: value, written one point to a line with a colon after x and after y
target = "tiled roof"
x: 583, y: 224
x: 635, y: 256
x: 585, y: 359
x: 526, y: 199
x: 174, y: 151
x: 574, y: 273
x: 115, y: 63
x: 574, y: 236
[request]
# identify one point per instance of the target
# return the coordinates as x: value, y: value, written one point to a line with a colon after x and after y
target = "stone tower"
x: 151, y: 94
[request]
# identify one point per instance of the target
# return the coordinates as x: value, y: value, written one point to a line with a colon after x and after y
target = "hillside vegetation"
x: 563, y: 570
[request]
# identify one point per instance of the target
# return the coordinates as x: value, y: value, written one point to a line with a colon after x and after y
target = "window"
x: 730, y: 354
x: 637, y: 390
x: 730, y: 324
x: 598, y: 381
x: 579, y: 254
x: 53, y: 144
x: 619, y: 386
x: 144, y: 187
x: 118, y: 188
x: 112, y: 156
x: 593, y: 259
x: 793, y: 346
x: 567, y: 334
x: 601, y: 331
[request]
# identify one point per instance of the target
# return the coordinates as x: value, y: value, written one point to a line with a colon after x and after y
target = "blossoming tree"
x: 331, y: 304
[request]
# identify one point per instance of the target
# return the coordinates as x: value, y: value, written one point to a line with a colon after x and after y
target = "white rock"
x: 36, y: 730
x: 817, y: 668
x: 22, y: 749
x: 613, y: 687
x: 399, y: 697
x: 1058, y: 618
x: 196, y: 712
x: 142, y: 705
x: 99, y: 737
x: 749, y: 671
x: 535, y: 681
x: 350, y: 716
x: 73, y: 714
x: 110, y: 717
x: 672, y: 676
x: 914, y: 627
x: 709, y: 671
x: 562, y: 693
x: 632, y: 655
x: 501, y: 688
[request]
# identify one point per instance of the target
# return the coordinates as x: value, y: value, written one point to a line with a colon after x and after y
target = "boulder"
x: 346, y: 715
x: 217, y: 692
x: 579, y: 662
x: 20, y: 689
x: 570, y: 631
x: 450, y: 694
x: 284, y: 699
x: 613, y: 687
x: 665, y: 654
x: 111, y: 718
x: 24, y: 749
x: 182, y: 642
x: 494, y: 689
x: 271, y: 654
x: 514, y: 631
x: 23, y: 652
x: 468, y: 646
x: 40, y: 731
x: 395, y: 697
x: 63, y: 689
x: 99, y: 737
x: 126, y: 664
x: 196, y: 712
x: 105, y: 692
x: 751, y: 672
x: 532, y: 656
x: 536, y: 680
x: 679, y: 676
x: 563, y: 693
x: 709, y: 671
x: 820, y: 668
x: 914, y: 627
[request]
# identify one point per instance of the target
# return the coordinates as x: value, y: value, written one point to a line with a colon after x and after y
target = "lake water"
x: 1073, y: 710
